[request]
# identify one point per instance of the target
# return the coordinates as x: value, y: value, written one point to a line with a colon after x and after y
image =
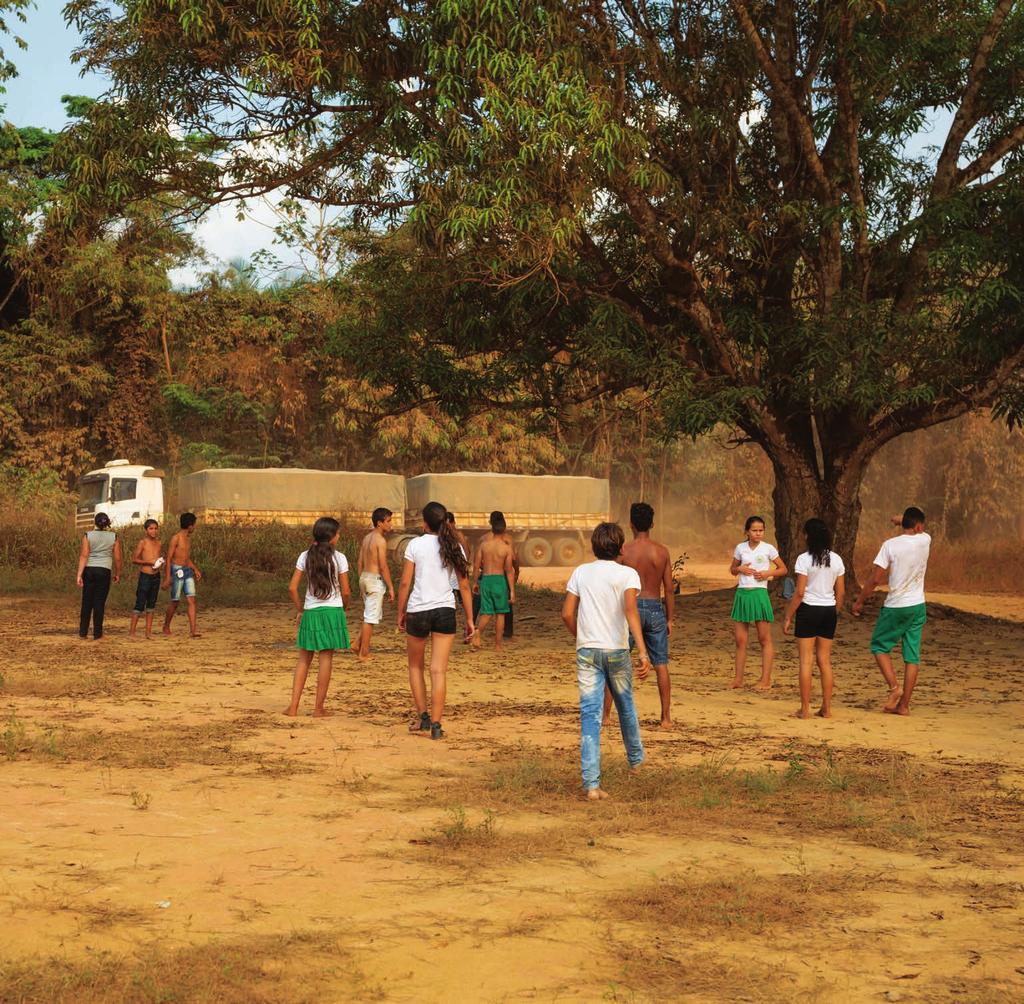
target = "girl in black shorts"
x: 820, y: 589
x: 426, y: 609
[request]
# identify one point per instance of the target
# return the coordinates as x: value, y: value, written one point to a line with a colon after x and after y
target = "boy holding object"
x: 600, y: 611
x: 147, y: 556
x: 902, y: 617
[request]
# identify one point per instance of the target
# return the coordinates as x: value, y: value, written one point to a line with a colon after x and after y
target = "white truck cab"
x: 128, y: 493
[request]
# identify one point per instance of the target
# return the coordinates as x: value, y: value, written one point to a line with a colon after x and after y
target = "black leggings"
x: 96, y: 585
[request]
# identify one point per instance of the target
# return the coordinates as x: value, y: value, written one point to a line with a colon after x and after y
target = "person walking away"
x: 815, y: 603
x: 654, y: 566
x: 599, y: 612
x: 903, y: 615
x: 754, y: 561
x: 147, y: 555
x: 494, y: 581
x: 181, y: 573
x: 426, y: 610
x: 320, y: 618
x: 374, y: 577
x: 99, y: 561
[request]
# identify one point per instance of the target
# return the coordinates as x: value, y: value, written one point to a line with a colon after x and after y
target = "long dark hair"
x: 819, y: 542
x: 436, y: 517
x: 321, y: 572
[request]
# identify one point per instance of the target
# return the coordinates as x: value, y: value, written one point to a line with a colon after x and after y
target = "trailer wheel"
x: 400, y: 547
x: 568, y: 551
x: 535, y: 552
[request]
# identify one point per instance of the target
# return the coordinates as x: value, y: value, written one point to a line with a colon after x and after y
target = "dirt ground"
x: 166, y: 835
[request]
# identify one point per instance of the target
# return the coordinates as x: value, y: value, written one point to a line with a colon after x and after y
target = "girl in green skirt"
x: 755, y: 561
x: 321, y: 618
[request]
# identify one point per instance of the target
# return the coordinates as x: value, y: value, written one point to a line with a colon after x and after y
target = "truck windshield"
x: 122, y: 489
x: 92, y: 491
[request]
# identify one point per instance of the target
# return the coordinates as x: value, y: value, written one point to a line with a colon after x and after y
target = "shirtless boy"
x: 147, y: 556
x: 495, y: 577
x: 181, y: 574
x: 903, y: 615
x: 498, y: 518
x: 654, y: 565
x: 374, y: 577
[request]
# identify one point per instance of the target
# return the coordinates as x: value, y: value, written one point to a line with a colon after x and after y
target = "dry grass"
x: 665, y: 969
x: 869, y: 798
x: 24, y: 681
x: 740, y: 903
x: 166, y: 745
x: 272, y: 969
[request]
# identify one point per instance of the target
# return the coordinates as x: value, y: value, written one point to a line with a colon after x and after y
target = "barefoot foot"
x: 824, y: 712
x: 895, y: 696
x: 736, y: 685
x: 321, y: 713
x: 665, y: 725
x: 803, y: 713
x: 596, y: 795
x: 290, y: 712
x: 763, y: 686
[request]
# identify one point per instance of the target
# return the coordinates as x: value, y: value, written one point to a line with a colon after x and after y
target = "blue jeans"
x: 596, y: 667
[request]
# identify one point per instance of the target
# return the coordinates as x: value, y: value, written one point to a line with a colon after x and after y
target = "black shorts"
x: 146, y: 592
x: 423, y: 623
x: 815, y: 622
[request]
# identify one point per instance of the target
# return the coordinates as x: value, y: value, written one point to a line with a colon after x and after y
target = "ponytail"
x: 321, y: 571
x: 819, y: 542
x: 452, y: 556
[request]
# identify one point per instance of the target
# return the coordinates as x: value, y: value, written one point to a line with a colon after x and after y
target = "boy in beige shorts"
x: 374, y: 577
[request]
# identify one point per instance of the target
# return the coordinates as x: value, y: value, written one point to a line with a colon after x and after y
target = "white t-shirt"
x: 601, y: 618
x: 820, y: 590
x: 760, y: 557
x: 906, y: 557
x: 433, y: 583
x: 334, y: 600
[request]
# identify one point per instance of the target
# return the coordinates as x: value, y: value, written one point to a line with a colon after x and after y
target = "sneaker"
x: 436, y: 732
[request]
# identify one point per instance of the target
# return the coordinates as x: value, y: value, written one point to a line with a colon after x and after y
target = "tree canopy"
x: 725, y: 202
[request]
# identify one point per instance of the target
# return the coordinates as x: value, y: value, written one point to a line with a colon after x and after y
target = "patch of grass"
x: 217, y: 743
x: 30, y: 681
x: 460, y: 833
x: 738, y: 902
x: 270, y: 969
x: 868, y: 797
x: 141, y: 800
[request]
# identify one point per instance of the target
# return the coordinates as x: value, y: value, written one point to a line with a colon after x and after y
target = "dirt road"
x: 167, y: 835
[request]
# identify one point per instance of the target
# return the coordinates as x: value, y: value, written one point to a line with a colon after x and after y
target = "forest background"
x: 256, y: 365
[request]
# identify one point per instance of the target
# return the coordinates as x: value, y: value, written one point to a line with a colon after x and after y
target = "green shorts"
x: 899, y: 624
x: 493, y: 594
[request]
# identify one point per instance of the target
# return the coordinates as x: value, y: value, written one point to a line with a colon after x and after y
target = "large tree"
x: 736, y: 189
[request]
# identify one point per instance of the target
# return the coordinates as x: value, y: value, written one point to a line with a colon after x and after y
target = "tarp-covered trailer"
x: 290, y: 495
x: 550, y: 517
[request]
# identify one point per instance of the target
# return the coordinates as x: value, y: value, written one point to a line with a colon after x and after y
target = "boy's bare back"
x: 653, y: 563
x: 495, y: 555
x: 373, y: 553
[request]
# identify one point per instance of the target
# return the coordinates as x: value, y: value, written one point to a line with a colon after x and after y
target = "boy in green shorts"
x: 495, y: 579
x: 902, y: 616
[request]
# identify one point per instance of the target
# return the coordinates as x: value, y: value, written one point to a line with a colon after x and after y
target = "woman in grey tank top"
x: 98, y: 561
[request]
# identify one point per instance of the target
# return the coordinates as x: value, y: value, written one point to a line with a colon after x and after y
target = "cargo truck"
x: 550, y: 517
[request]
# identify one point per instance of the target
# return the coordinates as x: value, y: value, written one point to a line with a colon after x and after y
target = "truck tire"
x: 535, y: 552
x: 400, y: 547
x: 568, y: 551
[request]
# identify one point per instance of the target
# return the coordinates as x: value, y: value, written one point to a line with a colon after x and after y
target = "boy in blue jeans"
x: 600, y: 611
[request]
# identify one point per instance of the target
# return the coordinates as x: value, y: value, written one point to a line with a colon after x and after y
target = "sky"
x: 46, y: 72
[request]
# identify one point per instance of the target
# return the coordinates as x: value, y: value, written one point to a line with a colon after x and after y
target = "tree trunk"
x: 801, y: 494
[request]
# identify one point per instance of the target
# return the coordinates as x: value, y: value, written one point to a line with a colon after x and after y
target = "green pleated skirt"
x: 323, y: 628
x: 751, y: 605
